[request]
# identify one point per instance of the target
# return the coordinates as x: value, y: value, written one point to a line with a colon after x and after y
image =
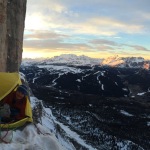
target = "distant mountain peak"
x: 129, y: 62
x: 113, y: 61
x: 72, y: 59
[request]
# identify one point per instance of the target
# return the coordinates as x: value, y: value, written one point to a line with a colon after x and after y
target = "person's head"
x: 21, y: 92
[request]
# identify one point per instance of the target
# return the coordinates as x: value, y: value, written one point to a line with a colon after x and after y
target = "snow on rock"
x: 51, y: 125
x: 125, y: 113
x: 140, y: 94
x: 124, y: 89
x: 131, y: 62
x: 113, y: 61
x: 102, y: 87
x: 46, y: 121
x: 29, y: 138
x: 50, y: 122
x: 60, y: 68
x: 78, y: 80
x: 122, y: 146
x: 148, y: 123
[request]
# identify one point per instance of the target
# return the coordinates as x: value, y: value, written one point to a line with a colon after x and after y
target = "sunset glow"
x: 92, y: 28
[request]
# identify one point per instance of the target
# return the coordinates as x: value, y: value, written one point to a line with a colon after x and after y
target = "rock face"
x: 12, y: 17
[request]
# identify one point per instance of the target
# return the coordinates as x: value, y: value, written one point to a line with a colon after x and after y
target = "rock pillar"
x: 12, y: 18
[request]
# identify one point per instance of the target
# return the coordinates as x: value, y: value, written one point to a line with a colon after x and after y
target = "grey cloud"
x: 37, y: 34
x: 126, y: 11
x: 53, y: 44
x: 106, y: 7
x: 105, y: 48
x: 139, y: 48
x: 104, y: 42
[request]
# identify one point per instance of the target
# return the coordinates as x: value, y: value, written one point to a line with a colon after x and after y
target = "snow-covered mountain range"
x: 93, y: 106
x: 67, y: 59
x: 71, y: 59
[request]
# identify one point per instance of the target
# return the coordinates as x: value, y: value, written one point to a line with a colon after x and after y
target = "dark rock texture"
x: 12, y: 17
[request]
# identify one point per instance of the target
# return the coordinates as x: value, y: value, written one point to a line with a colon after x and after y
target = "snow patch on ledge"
x: 140, y: 94
x: 29, y: 138
x: 126, y: 113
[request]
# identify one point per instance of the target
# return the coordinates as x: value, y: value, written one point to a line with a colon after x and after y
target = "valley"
x: 107, y: 107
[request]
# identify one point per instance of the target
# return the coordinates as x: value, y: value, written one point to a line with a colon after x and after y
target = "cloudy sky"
x: 96, y: 28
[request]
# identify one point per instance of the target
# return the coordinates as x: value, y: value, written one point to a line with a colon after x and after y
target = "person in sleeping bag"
x: 15, y: 105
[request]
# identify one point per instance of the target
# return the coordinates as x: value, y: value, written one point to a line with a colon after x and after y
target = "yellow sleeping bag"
x: 8, y: 83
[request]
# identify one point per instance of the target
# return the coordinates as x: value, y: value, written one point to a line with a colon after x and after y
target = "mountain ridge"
x: 71, y: 59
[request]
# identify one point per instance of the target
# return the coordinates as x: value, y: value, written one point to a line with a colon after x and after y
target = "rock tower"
x: 12, y: 18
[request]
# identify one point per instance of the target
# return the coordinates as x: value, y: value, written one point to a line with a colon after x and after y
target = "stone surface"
x: 12, y: 17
